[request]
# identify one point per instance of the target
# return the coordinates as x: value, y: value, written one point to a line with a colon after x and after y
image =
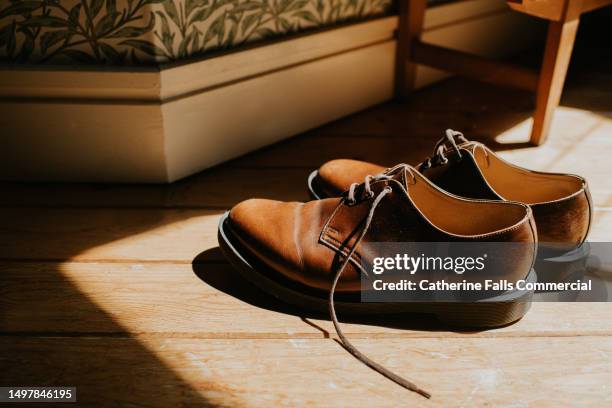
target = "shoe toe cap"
x: 255, y: 217
x: 336, y: 176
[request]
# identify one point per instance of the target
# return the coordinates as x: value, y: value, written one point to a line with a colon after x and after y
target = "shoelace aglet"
x: 410, y: 386
x: 385, y: 372
x: 401, y: 381
x: 422, y: 392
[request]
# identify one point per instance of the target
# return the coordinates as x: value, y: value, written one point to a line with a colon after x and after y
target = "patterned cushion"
x: 124, y: 32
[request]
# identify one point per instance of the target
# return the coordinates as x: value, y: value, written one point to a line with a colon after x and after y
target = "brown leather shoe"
x: 302, y: 253
x: 561, y: 203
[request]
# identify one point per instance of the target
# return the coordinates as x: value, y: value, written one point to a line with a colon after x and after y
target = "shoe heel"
x: 484, y: 314
x: 565, y: 267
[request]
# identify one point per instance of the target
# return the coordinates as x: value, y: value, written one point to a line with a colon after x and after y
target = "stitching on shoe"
x: 334, y: 244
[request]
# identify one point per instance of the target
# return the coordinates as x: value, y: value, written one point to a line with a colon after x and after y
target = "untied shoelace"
x: 351, y: 199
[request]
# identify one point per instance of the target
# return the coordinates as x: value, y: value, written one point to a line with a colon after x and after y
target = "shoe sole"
x: 560, y: 268
x: 494, y: 312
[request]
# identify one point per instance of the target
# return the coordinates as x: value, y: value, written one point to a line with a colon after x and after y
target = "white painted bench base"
x: 160, y: 125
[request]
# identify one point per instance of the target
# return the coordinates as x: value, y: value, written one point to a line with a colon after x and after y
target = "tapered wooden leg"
x: 559, y: 45
x: 411, y: 16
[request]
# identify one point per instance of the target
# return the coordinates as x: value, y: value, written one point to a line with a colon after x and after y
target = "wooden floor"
x: 123, y: 292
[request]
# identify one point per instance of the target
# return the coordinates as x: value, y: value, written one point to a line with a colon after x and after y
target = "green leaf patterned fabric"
x: 126, y: 32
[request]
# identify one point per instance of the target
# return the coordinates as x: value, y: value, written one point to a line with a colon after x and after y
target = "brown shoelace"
x: 332, y: 311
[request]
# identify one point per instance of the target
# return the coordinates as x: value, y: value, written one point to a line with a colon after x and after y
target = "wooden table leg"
x: 559, y: 45
x: 411, y: 16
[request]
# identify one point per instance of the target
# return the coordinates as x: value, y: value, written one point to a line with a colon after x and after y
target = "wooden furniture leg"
x: 564, y: 16
x: 559, y: 45
x: 411, y: 16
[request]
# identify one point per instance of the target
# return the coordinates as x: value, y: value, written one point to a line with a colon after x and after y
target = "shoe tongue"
x: 402, y: 173
x: 452, y: 140
x: 451, y: 148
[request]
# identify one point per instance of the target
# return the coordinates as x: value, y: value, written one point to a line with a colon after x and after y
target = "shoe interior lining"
x: 518, y: 184
x: 462, y: 217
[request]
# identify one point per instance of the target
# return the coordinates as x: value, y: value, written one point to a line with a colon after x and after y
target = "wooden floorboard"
x: 219, y: 188
x: 465, y: 372
x: 138, y: 235
x: 108, y: 234
x: 213, y: 301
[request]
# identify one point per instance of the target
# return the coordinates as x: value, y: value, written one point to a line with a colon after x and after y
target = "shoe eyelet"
x: 370, y: 194
x: 444, y: 161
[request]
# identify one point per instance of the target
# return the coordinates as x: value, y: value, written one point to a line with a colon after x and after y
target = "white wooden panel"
x: 218, y: 125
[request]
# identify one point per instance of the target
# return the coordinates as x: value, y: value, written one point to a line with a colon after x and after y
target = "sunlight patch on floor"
x: 133, y: 272
x: 174, y: 236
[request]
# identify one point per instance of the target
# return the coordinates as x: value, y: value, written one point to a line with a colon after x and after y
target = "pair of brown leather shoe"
x: 560, y: 203
x: 303, y: 253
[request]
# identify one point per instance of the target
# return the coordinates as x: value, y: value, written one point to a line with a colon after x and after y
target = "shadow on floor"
x: 230, y: 282
x: 107, y: 363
